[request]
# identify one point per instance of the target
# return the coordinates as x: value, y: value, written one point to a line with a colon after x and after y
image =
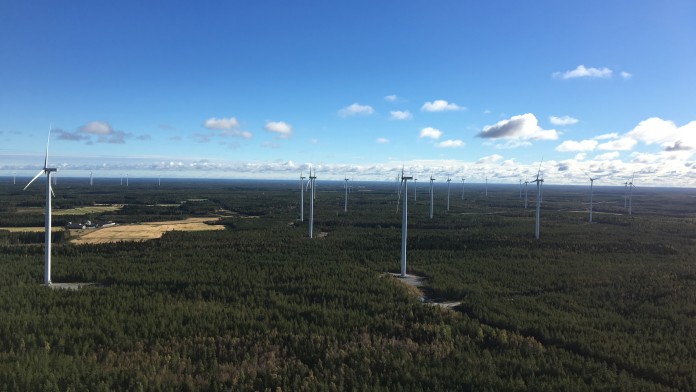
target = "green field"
x: 259, y: 306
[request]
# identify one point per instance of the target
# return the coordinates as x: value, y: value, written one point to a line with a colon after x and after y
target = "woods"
x: 259, y: 306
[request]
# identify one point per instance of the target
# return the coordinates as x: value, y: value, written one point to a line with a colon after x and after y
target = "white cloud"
x: 666, y: 133
x: 450, y: 143
x: 572, y: 145
x: 400, y: 115
x: 391, y: 98
x: 607, y: 156
x: 623, y: 144
x: 282, y: 129
x: 582, y: 72
x: 581, y: 156
x: 97, y: 128
x: 489, y: 159
x: 519, y: 128
x: 356, y: 109
x: 626, y: 75
x: 440, y: 105
x: 382, y: 140
x: 430, y: 132
x: 612, y: 135
x: 565, y: 120
x: 221, y: 123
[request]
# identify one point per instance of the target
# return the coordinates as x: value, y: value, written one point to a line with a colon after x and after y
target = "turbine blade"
x: 33, y: 179
x: 47, y: 142
x: 51, y: 188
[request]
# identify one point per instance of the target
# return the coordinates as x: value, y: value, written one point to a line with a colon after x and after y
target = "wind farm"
x: 238, y: 208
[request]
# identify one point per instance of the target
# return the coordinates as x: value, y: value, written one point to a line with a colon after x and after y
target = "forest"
x: 260, y: 306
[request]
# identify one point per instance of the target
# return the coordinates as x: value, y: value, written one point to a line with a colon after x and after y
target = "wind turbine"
x: 630, y: 194
x: 538, y: 181
x: 301, y: 196
x: 625, y: 193
x: 121, y: 179
x: 592, y: 180
x: 126, y: 179
x: 345, y: 204
x: 404, y: 219
x: 47, y: 171
x: 159, y: 180
x: 14, y: 178
x: 312, y: 185
x: 431, y: 196
x: 448, y: 191
x: 463, y: 179
x: 520, y: 189
x: 486, y: 186
x: 90, y: 179
x: 525, y: 194
x: 415, y: 188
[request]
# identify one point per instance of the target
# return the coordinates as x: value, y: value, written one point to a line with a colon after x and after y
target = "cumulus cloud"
x: 626, y: 75
x: 430, y: 132
x: 572, y: 145
x: 607, y: 156
x: 227, y: 127
x: 518, y: 128
x: 450, y: 143
x: 96, y: 128
x: 581, y: 156
x: 623, y: 144
x: 221, y: 123
x: 666, y: 133
x: 612, y: 135
x: 356, y: 109
x: 71, y: 136
x: 489, y: 159
x: 565, y: 120
x: 582, y: 72
x: 382, y: 140
x: 440, y: 105
x: 400, y: 115
x: 391, y: 98
x: 282, y: 129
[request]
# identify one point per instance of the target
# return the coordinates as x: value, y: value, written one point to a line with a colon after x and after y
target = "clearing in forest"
x: 143, y: 231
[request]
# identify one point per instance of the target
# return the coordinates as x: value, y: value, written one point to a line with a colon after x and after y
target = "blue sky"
x: 264, y: 89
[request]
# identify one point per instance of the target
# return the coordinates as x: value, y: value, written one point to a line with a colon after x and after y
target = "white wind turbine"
x: 90, y: 179
x: 312, y: 185
x: 121, y: 179
x: 345, y: 203
x: 14, y: 178
x: 448, y: 191
x: 47, y: 171
x: 538, y: 181
x: 520, y: 189
x: 404, y: 219
x: 592, y: 180
x: 301, y: 196
x: 431, y: 196
x: 486, y: 186
x: 463, y: 179
x: 126, y: 179
x: 415, y: 188
x: 159, y: 180
x: 625, y: 194
x: 525, y: 194
x: 630, y: 194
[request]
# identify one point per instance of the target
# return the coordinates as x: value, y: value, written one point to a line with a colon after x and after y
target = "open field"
x: 30, y: 229
x: 86, y: 210
x: 142, y: 231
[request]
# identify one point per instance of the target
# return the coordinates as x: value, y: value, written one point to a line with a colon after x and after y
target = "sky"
x: 357, y: 89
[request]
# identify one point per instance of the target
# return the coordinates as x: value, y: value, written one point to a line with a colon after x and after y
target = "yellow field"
x: 142, y: 231
x: 87, y: 210
x: 29, y: 229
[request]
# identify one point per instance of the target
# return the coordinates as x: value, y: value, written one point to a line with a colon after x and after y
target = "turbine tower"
x: 14, y: 178
x: 159, y: 180
x: 625, y: 193
x: 592, y: 180
x: 463, y: 179
x: 630, y: 195
x: 431, y: 196
x: 448, y: 191
x: 301, y: 196
x: 312, y: 182
x: 404, y: 219
x: 90, y: 179
x: 539, y: 180
x: 525, y: 194
x: 486, y: 186
x: 121, y: 179
x: 345, y: 204
x: 126, y: 179
x: 415, y: 188
x: 47, y: 252
x: 520, y: 189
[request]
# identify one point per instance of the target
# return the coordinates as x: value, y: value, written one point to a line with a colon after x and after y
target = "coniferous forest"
x: 259, y: 306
